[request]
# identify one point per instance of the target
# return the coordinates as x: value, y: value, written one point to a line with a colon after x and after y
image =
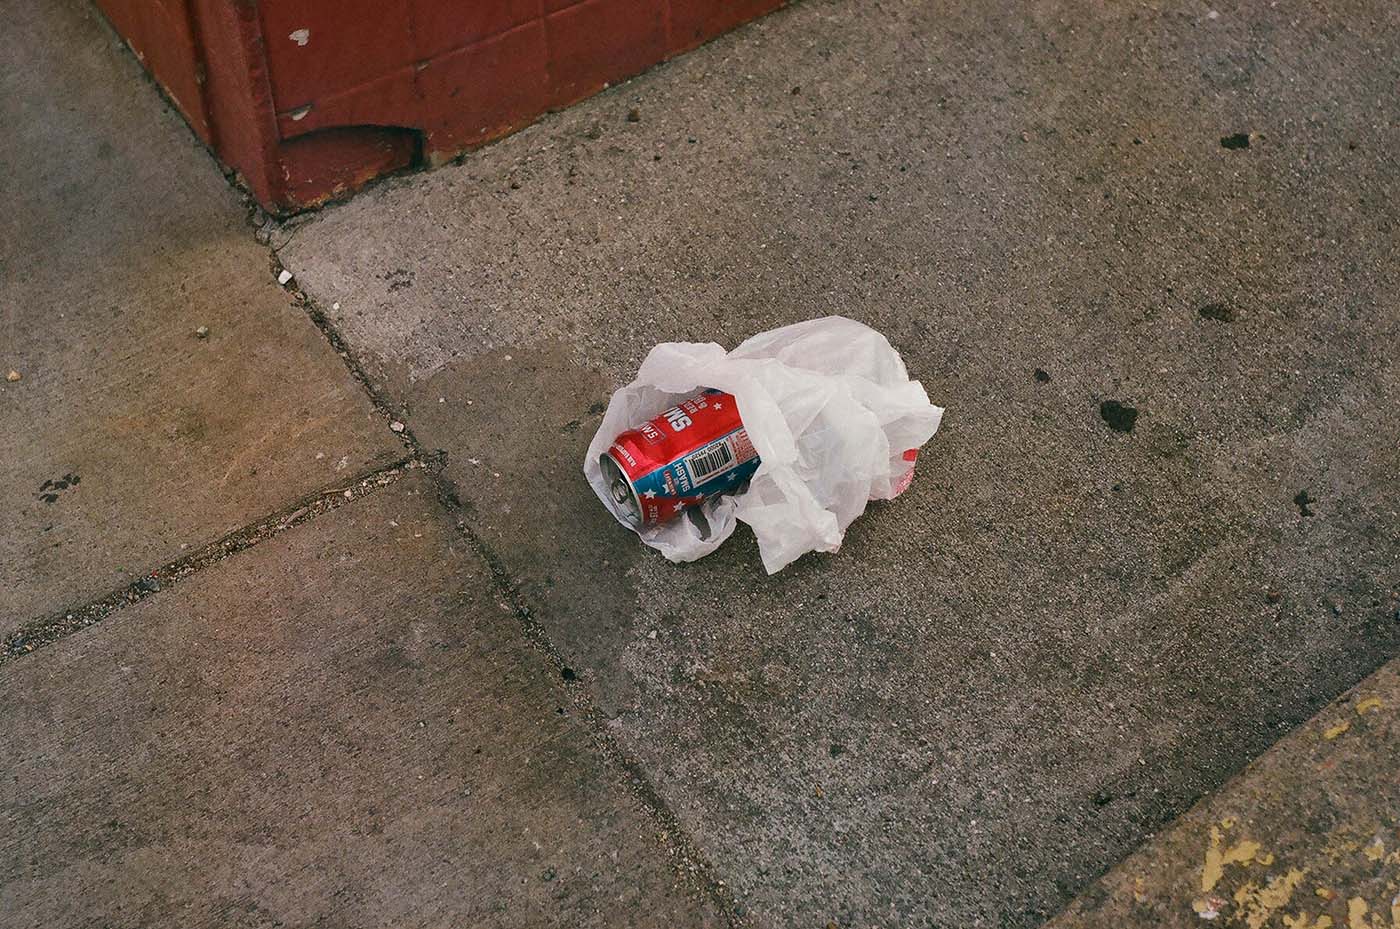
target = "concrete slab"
x: 1064, y: 633
x: 130, y: 440
x: 1305, y: 838
x: 340, y: 726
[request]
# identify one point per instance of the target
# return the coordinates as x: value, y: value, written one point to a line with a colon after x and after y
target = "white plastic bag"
x: 828, y: 407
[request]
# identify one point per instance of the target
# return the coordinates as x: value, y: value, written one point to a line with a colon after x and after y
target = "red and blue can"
x: 695, y: 450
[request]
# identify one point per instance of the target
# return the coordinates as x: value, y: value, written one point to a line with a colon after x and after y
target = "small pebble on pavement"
x: 12, y: 376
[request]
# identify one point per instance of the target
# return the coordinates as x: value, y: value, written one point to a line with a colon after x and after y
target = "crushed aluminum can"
x: 695, y: 450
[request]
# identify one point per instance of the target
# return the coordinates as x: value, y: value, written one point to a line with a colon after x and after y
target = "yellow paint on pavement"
x: 1336, y: 730
x: 1280, y: 889
x: 1218, y: 856
x: 1257, y: 904
x: 1370, y: 703
x: 1303, y: 921
x: 1356, y: 914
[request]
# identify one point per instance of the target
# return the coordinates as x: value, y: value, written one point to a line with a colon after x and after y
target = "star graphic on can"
x: 717, y: 405
x: 649, y: 494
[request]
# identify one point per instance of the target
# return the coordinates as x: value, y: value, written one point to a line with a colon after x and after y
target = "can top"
x: 621, y: 497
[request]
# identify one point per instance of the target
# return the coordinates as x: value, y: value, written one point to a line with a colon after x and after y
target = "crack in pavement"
x: 47, y: 630
x: 686, y: 858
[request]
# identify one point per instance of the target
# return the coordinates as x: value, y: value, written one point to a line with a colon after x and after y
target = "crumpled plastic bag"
x: 830, y: 410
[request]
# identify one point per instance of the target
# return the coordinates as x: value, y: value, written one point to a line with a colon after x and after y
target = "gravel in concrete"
x: 129, y: 439
x: 1159, y: 526
x: 340, y: 726
x: 1307, y: 837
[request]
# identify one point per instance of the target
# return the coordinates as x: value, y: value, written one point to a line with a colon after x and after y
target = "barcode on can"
x: 709, y: 461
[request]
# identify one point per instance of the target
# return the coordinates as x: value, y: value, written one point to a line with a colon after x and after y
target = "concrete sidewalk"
x: 365, y: 650
x: 1063, y: 634
x: 366, y: 740
x: 305, y: 700
x: 1305, y: 838
x: 133, y: 441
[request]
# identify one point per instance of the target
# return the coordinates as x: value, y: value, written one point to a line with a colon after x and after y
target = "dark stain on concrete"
x: 1119, y: 416
x: 1236, y: 141
x: 189, y: 425
x: 398, y: 279
x: 50, y: 489
x: 1219, y: 312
